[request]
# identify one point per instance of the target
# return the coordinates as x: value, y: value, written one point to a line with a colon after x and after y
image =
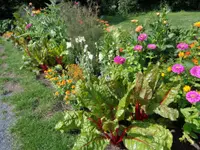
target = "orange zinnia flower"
x: 138, y: 28
x: 121, y: 49
x: 107, y: 29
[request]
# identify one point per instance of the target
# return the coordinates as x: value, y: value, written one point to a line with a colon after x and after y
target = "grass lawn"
x: 179, y: 19
x: 36, y: 109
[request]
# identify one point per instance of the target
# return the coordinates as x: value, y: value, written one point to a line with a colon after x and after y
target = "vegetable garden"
x: 127, y: 89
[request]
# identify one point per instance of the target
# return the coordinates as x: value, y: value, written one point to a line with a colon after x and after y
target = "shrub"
x: 5, y: 25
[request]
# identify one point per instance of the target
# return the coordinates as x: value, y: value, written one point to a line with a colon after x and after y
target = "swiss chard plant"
x: 121, y: 114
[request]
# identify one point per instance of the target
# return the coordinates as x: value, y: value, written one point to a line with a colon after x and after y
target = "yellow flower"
x: 49, y: 70
x: 164, y: 22
x: 67, y: 92
x: 69, y: 81
x: 36, y: 11
x: 186, y: 88
x: 56, y: 93
x: 162, y: 74
x: 134, y: 21
x: 169, y: 69
x: 158, y: 14
x: 73, y: 91
x: 181, y: 54
x: 197, y: 24
x: 73, y: 86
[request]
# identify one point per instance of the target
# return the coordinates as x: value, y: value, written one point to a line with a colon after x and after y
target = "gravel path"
x: 7, y: 118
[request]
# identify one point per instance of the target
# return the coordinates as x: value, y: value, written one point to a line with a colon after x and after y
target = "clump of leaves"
x: 121, y: 114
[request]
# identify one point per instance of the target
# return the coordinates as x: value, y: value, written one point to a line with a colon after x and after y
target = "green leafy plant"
x: 112, y: 116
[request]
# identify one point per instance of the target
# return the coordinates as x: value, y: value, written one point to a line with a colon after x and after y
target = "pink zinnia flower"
x: 142, y: 37
x: 193, y: 97
x: 119, y: 60
x: 28, y: 26
x: 151, y: 46
x: 182, y: 46
x: 195, y: 71
x: 178, y: 68
x: 138, y: 47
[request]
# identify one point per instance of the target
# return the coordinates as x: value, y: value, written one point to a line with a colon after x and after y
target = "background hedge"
x: 107, y: 7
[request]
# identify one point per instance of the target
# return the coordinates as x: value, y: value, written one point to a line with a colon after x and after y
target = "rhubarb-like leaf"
x: 170, y: 95
x: 90, y: 139
x: 167, y: 112
x: 148, y: 137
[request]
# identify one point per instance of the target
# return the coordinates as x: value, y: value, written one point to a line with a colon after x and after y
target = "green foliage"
x: 148, y: 137
x: 5, y: 25
x: 126, y: 6
x: 191, y: 127
x: 44, y: 41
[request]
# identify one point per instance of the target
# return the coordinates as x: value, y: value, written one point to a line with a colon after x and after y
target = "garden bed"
x: 115, y: 88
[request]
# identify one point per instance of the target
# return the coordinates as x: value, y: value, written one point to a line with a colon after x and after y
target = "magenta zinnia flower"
x: 142, y: 37
x: 151, y: 46
x: 193, y: 97
x: 119, y: 60
x: 178, y: 68
x: 28, y: 26
x: 195, y: 71
x: 182, y: 46
x: 138, y: 47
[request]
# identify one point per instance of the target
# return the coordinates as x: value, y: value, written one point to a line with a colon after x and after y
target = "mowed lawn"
x: 177, y: 19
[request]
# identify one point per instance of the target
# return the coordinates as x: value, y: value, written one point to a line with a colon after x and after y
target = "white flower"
x: 53, y: 33
x: 90, y: 56
x: 69, y: 44
x: 85, y: 48
x: 100, y: 56
x: 80, y: 39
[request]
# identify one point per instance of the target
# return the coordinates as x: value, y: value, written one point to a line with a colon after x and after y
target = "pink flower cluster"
x: 142, y: 37
x: 182, y: 46
x: 151, y: 46
x: 195, y: 71
x: 28, y: 26
x: 178, y: 68
x: 138, y: 47
x: 193, y: 97
x: 119, y: 60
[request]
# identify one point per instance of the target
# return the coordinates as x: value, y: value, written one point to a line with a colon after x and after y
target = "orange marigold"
x: 67, y: 92
x: 75, y: 72
x: 195, y: 61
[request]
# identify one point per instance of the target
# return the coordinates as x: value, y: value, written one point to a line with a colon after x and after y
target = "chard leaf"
x: 167, y: 112
x: 148, y: 137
